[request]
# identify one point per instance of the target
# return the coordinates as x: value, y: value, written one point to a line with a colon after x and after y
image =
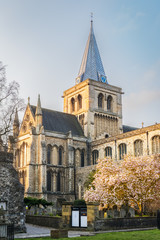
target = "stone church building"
x: 55, y: 151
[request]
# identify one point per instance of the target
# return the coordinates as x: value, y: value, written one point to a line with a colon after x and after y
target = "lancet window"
x: 60, y: 151
x: 138, y: 148
x: 58, y: 182
x: 156, y: 144
x: 108, y: 152
x: 95, y: 155
x: 122, y: 150
x: 82, y: 158
x: 49, y: 178
x: 49, y: 150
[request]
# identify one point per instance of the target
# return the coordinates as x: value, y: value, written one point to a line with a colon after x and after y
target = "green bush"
x: 29, y: 201
x: 79, y: 202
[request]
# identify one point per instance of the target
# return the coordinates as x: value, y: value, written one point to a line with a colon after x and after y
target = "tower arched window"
x: 60, y: 152
x: 79, y: 101
x: 49, y: 181
x: 156, y: 144
x: 122, y: 150
x: 72, y: 104
x: 100, y: 100
x: 138, y: 148
x: 82, y: 158
x: 58, y: 182
x: 109, y: 103
x: 49, y: 149
x: 95, y: 155
x: 108, y: 152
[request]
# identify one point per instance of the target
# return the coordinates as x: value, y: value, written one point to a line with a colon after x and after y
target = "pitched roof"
x: 91, y: 66
x: 128, y: 128
x: 59, y: 121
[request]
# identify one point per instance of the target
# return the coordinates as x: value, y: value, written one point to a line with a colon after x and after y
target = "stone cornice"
x: 126, y: 135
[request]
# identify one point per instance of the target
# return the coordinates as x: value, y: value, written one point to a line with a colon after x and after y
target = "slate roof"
x: 128, y: 128
x: 91, y: 66
x: 59, y: 122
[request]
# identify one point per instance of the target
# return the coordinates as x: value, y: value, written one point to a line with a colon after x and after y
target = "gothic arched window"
x: 49, y: 149
x: 49, y: 181
x: 95, y: 155
x: 122, y: 150
x: 72, y: 104
x: 58, y: 182
x: 138, y: 148
x: 17, y: 158
x: 156, y: 144
x: 100, y: 100
x: 108, y: 152
x: 79, y: 101
x: 60, y: 152
x: 82, y: 158
x: 109, y: 103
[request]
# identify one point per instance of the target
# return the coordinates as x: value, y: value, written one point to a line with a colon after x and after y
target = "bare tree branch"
x: 9, y: 102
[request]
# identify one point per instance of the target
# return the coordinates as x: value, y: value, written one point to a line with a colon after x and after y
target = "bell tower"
x: 96, y: 103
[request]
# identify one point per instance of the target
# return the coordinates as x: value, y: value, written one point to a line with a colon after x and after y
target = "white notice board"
x: 75, y: 218
x: 83, y: 221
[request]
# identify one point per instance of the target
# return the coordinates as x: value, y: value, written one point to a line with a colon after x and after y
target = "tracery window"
x: 108, y: 152
x: 82, y: 158
x: 138, y: 148
x: 49, y: 149
x: 109, y: 103
x: 122, y: 150
x: 100, y: 100
x: 95, y: 155
x: 72, y: 104
x: 156, y: 144
x: 49, y: 177
x: 79, y: 101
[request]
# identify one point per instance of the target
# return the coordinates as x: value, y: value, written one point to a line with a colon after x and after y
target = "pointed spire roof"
x: 16, y: 119
x: 91, y: 66
x: 38, y: 108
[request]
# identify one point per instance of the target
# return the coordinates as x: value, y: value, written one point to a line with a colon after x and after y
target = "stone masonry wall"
x: 11, y: 193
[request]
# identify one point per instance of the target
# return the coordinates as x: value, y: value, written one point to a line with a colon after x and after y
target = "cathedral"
x: 54, y: 152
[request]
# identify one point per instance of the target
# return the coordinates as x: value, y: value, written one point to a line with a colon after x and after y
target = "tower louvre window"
x: 100, y: 100
x: 138, y: 148
x: 122, y: 150
x: 72, y: 104
x: 79, y: 102
x: 109, y: 103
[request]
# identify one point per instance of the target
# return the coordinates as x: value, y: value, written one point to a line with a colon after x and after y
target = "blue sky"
x: 42, y: 43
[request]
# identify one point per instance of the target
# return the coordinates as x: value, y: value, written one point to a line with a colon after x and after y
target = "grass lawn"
x: 136, y: 235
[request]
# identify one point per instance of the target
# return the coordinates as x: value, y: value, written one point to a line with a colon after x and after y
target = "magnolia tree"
x: 9, y: 102
x: 133, y: 182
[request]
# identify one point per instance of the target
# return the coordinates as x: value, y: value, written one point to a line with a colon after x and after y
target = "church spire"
x: 91, y: 66
x: 38, y: 114
x: 16, y: 124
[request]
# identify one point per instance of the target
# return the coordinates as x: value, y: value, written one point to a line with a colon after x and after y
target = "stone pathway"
x: 34, y: 231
